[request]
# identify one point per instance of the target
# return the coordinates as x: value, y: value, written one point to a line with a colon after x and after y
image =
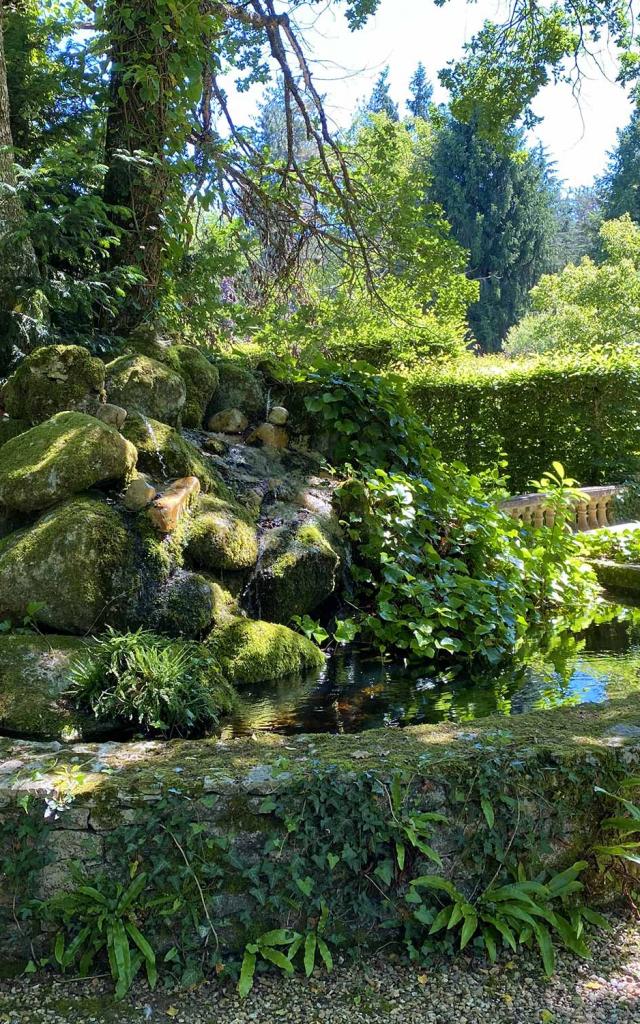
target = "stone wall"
x: 88, y: 790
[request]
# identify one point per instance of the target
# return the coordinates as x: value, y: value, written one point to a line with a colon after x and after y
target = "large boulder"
x: 144, y: 385
x: 64, y: 456
x: 54, y: 379
x: 201, y: 379
x: 11, y: 428
x: 251, y: 651
x: 239, y: 388
x: 34, y: 683
x: 199, y: 375
x: 186, y: 605
x: 165, y: 454
x: 73, y: 566
x: 221, y: 536
x: 297, y: 572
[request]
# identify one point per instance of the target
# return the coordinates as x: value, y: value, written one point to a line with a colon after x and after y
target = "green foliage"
x: 575, y: 409
x: 152, y: 683
x: 590, y: 305
x: 439, y: 569
x: 621, y: 847
x: 500, y: 207
x: 625, y: 505
x: 510, y: 915
x: 102, y: 916
x: 615, y: 545
x: 620, y: 185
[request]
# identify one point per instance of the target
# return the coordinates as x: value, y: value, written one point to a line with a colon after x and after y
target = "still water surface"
x: 356, y: 691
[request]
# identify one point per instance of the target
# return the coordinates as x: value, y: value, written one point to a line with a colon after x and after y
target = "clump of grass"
x: 151, y: 682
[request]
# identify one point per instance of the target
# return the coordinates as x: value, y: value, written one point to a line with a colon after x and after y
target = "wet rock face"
x: 301, y: 555
x: 73, y: 565
x: 62, y: 457
x: 54, y: 379
x: 221, y: 536
x: 165, y: 454
x: 144, y: 385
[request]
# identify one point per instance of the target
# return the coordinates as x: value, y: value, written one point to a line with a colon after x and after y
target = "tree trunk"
x: 18, y: 264
x: 138, y: 177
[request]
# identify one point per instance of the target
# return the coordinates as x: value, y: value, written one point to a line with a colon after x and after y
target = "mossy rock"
x: 620, y: 577
x: 146, y: 386
x: 297, y: 572
x: 251, y: 651
x: 64, y: 456
x: 165, y: 454
x: 186, y: 605
x: 53, y: 379
x: 239, y: 388
x: 11, y: 428
x: 201, y: 378
x: 221, y: 536
x: 34, y: 680
x: 73, y: 565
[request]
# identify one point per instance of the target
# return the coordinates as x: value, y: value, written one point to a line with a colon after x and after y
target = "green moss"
x: 296, y: 575
x: 34, y: 678
x: 222, y: 536
x: 52, y: 379
x: 186, y: 605
x: 64, y: 456
x: 146, y: 386
x: 201, y: 379
x: 75, y: 563
x: 623, y: 578
x: 239, y: 388
x: 165, y: 454
x: 11, y: 428
x: 251, y: 651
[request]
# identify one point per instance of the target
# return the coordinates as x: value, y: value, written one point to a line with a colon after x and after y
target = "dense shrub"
x: 579, y: 410
x: 438, y: 569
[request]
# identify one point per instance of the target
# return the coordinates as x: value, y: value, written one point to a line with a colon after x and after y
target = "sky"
x: 576, y: 135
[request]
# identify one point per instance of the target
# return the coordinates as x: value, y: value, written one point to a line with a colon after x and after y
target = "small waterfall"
x: 154, y: 441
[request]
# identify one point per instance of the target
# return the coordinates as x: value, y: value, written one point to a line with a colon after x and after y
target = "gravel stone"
x: 467, y: 990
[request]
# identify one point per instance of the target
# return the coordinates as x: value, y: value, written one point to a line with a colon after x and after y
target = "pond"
x: 356, y: 691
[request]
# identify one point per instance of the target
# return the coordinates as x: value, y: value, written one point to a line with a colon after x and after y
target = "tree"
x: 620, y: 186
x: 587, y: 305
x: 578, y: 215
x: 500, y: 210
x: 18, y: 264
x: 420, y: 93
x: 380, y: 101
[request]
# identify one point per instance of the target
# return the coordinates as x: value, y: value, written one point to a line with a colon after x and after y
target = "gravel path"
x: 605, y: 990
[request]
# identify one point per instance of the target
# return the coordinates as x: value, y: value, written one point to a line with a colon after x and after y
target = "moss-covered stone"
x: 73, y: 564
x: 201, y: 379
x: 146, y: 386
x: 11, y: 428
x: 239, y: 388
x: 34, y: 680
x: 297, y: 572
x: 221, y: 536
x: 186, y: 605
x: 53, y: 379
x: 63, y: 456
x: 621, y: 577
x: 251, y: 651
x: 165, y: 454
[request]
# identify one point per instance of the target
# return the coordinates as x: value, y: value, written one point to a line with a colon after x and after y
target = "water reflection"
x: 356, y: 691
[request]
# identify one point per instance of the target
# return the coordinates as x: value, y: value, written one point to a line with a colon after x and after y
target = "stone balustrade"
x: 591, y: 512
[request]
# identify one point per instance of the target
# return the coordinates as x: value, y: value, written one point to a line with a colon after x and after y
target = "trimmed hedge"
x: 583, y: 411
